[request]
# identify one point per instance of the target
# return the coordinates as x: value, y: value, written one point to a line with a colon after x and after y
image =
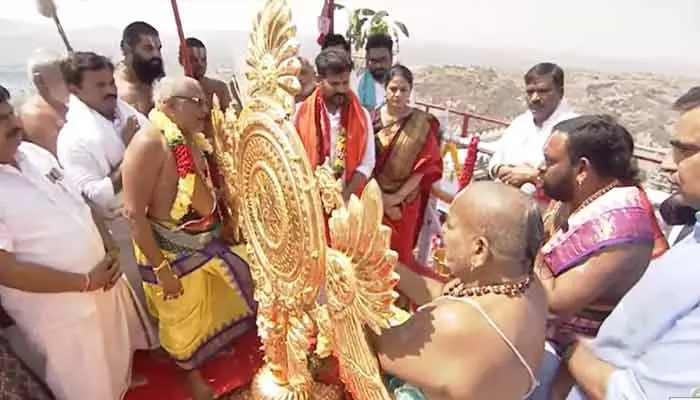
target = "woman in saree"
x: 408, y: 164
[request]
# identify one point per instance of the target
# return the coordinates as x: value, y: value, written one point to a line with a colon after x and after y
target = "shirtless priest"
x: 197, y: 53
x: 198, y: 288
x: 485, y: 331
x: 141, y: 67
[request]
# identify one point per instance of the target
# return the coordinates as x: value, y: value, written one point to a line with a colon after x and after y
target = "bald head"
x: 506, y: 217
x: 44, y: 70
x: 183, y: 101
x: 173, y: 87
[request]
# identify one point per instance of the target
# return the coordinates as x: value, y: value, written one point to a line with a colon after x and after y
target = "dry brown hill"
x: 641, y: 101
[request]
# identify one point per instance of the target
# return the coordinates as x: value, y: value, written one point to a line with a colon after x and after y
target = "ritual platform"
x: 228, y: 373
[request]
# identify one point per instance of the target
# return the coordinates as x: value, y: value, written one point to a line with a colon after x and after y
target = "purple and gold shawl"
x: 617, y: 217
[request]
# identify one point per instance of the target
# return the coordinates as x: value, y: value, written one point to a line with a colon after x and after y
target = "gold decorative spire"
x: 278, y: 201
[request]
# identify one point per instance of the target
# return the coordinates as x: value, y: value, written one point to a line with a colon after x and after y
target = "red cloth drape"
x: 404, y: 232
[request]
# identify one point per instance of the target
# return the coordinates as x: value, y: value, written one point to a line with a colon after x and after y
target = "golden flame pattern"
x: 304, y: 286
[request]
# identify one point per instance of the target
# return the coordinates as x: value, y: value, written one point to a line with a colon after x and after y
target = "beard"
x: 148, y: 70
x: 558, y: 190
x: 378, y: 74
x: 198, y: 73
x: 337, y: 99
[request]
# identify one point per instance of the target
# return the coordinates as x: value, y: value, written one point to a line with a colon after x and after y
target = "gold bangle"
x: 165, y: 264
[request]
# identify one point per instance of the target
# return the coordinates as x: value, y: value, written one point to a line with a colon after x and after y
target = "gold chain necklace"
x: 511, y: 289
x: 595, y: 196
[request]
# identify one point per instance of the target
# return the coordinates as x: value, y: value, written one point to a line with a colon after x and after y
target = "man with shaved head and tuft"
x: 482, y: 337
x: 44, y: 114
x: 199, y: 288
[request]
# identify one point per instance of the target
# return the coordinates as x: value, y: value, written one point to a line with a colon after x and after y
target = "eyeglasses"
x: 195, y: 100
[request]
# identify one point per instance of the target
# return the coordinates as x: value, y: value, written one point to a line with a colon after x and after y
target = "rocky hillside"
x: 641, y: 101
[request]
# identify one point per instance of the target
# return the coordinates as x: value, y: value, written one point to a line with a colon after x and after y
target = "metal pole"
x: 181, y: 34
x: 331, y: 16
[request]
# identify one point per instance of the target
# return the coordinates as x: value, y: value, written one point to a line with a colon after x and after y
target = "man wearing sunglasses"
x: 199, y: 287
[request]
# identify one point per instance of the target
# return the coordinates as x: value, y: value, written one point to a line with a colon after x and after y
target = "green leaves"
x: 363, y: 22
x: 402, y: 28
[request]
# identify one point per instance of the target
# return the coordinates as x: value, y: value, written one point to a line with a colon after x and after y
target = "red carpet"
x: 225, y: 372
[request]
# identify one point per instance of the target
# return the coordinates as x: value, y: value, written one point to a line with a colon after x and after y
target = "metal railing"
x: 644, y: 154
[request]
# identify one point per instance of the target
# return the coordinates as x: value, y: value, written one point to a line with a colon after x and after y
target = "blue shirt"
x: 653, y: 335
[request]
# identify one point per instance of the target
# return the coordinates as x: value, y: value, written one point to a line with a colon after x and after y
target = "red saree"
x: 407, y: 147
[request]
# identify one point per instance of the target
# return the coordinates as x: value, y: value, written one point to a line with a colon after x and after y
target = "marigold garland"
x: 450, y: 149
x: 184, y: 160
x: 340, y: 145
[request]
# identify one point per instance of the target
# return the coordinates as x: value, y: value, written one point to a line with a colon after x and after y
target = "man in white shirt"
x: 57, y: 282
x: 332, y: 124
x: 91, y: 145
x: 521, y: 148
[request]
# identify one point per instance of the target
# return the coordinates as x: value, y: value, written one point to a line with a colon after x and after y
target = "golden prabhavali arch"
x: 306, y: 288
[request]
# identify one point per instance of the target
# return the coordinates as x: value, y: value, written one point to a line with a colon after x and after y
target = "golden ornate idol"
x: 279, y: 202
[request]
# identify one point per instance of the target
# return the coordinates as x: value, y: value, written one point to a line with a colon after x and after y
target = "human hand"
x: 171, y: 285
x: 412, y: 196
x: 518, y: 175
x: 390, y: 200
x: 105, y: 274
x: 130, y: 128
x: 394, y: 213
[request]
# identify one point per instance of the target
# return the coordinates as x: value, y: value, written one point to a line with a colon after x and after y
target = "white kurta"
x: 90, y: 147
x: 87, y: 338
x: 523, y: 142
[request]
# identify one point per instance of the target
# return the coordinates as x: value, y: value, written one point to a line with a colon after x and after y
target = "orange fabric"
x: 309, y: 125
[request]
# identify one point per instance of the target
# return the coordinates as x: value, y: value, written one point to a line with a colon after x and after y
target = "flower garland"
x: 184, y: 160
x: 469, y: 162
x: 340, y: 146
x: 451, y: 149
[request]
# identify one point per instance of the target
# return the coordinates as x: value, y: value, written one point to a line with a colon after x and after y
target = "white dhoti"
x: 121, y: 232
x: 90, y: 358
x: 86, y: 338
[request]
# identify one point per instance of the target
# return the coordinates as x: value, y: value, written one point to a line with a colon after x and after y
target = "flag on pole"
x: 325, y: 21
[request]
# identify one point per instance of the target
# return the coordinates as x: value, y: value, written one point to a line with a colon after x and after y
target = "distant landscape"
x: 484, y: 81
x: 642, y: 101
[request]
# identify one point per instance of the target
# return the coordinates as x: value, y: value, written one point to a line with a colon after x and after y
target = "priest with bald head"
x: 198, y: 287
x: 482, y: 336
